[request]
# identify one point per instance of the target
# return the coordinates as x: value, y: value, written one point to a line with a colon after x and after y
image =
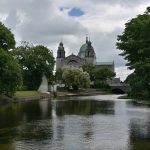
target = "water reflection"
x: 86, y: 107
x: 140, y: 132
x: 20, y: 121
x: 86, y: 123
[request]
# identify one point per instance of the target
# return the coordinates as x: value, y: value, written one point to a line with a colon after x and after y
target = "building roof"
x: 83, y: 48
x: 104, y: 63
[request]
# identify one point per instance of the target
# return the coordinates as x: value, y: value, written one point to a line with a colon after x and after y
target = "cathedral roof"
x: 104, y: 63
x: 86, y: 46
x: 83, y: 48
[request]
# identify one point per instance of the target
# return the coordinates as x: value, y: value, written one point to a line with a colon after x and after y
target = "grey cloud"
x: 121, y: 2
x: 41, y: 24
x: 12, y: 20
x: 34, y: 30
x: 105, y: 47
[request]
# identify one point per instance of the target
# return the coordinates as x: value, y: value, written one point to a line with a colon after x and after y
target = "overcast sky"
x: 48, y: 21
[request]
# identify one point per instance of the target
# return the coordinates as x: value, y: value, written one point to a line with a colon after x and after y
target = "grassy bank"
x: 27, y: 93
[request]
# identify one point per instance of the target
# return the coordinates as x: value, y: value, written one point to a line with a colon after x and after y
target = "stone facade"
x: 86, y: 55
x: 74, y: 61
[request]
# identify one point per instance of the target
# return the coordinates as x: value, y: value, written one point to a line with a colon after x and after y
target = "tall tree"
x: 135, y: 46
x: 10, y: 74
x: 10, y: 71
x: 7, y: 40
x: 36, y: 61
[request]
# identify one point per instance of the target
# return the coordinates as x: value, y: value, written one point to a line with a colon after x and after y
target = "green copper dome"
x: 83, y: 48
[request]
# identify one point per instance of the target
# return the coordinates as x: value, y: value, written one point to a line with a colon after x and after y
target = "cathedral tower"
x: 60, y: 56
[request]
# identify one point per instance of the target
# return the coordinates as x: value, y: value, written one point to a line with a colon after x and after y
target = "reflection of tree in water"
x: 38, y: 130
x: 9, y: 119
x: 105, y: 107
x: 38, y: 125
x: 17, y: 121
x: 35, y: 111
x: 7, y: 146
x: 140, y: 134
x: 86, y: 107
x: 10, y: 115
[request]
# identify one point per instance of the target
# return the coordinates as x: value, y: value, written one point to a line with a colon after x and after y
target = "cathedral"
x: 86, y: 55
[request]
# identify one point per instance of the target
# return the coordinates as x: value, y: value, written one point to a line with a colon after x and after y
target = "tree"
x: 137, y: 88
x: 75, y: 78
x: 89, y: 68
x: 58, y: 75
x: 10, y: 71
x: 36, y: 61
x: 101, y: 76
x: 135, y: 45
x: 10, y: 74
x: 7, y: 40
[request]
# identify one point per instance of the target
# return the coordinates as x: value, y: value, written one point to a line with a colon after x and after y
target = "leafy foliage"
x: 89, y: 68
x: 7, y: 40
x: 101, y: 76
x: 10, y: 71
x: 58, y: 75
x: 10, y: 74
x: 135, y: 45
x: 98, y: 75
x: 75, y: 78
x: 35, y: 61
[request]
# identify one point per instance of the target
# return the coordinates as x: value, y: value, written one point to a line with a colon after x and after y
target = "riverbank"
x: 135, y: 100
x: 34, y: 95
x: 87, y: 92
x: 23, y: 96
x: 30, y: 95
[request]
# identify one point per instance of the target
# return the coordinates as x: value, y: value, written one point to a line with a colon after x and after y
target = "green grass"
x: 27, y: 93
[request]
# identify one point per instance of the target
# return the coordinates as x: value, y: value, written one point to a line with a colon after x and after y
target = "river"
x: 100, y: 122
